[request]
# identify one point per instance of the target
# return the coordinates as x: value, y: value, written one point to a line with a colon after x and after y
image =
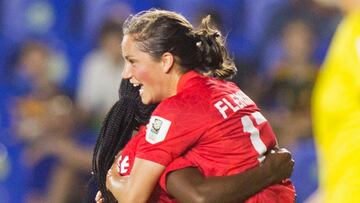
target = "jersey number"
x: 123, y: 165
x: 249, y: 127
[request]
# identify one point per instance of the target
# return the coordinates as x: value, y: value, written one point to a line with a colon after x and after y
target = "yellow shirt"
x: 336, y: 115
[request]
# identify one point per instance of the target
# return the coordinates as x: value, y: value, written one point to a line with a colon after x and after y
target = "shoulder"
x: 199, y: 100
x: 182, y: 106
x: 193, y: 98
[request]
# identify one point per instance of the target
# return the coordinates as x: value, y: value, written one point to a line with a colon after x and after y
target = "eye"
x: 131, y: 61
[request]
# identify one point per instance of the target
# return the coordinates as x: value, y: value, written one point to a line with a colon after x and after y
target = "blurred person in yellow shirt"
x: 336, y: 111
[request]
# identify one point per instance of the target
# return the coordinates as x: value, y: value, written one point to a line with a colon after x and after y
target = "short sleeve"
x: 172, y: 130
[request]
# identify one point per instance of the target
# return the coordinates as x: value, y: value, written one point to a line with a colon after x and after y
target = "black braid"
x: 125, y: 116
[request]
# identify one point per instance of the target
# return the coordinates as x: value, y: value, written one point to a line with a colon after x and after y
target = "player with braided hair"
x: 129, y: 113
x: 126, y: 115
x: 208, y: 121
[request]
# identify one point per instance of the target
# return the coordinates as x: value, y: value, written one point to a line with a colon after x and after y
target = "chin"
x: 145, y: 101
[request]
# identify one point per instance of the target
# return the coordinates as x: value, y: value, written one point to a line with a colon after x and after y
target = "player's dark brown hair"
x: 126, y: 115
x: 201, y: 49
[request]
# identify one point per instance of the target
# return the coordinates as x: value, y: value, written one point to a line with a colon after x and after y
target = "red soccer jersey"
x: 126, y: 161
x: 215, y: 126
x: 127, y: 157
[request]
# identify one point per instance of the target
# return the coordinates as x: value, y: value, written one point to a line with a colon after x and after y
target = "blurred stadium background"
x: 60, y: 70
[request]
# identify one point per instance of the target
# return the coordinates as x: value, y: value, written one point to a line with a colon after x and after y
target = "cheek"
x: 147, y: 74
x: 143, y: 75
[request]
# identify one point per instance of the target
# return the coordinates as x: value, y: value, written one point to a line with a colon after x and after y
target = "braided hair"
x: 125, y: 116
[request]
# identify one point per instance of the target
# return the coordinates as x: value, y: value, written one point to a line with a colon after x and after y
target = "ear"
x: 167, y: 60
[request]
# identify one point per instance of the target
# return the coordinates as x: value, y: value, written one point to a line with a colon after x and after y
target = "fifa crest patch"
x: 157, y: 129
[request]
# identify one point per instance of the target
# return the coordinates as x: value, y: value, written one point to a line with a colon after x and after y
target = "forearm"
x: 236, y: 187
x: 139, y: 185
x: 188, y: 185
x: 118, y: 186
x: 217, y: 189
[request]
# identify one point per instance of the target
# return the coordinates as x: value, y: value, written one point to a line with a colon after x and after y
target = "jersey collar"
x: 185, y: 78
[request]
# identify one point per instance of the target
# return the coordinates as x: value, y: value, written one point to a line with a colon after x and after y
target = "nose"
x: 126, y: 74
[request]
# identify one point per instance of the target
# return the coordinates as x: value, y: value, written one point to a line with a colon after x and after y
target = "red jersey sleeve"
x: 173, y: 128
x: 125, y: 161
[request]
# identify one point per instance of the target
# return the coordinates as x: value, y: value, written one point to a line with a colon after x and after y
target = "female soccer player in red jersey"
x: 209, y: 121
x: 188, y: 184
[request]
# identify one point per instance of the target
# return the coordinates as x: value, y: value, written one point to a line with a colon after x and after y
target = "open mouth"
x: 140, y: 86
x: 141, y: 90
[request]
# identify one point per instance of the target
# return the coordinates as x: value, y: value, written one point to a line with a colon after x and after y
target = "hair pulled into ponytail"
x: 212, y: 53
x: 202, y: 49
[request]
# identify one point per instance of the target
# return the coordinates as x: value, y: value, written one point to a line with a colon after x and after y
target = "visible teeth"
x: 135, y: 85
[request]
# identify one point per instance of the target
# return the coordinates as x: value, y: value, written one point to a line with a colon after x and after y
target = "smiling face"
x: 142, y: 69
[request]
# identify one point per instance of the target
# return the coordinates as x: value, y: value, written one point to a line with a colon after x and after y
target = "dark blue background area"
x: 249, y: 25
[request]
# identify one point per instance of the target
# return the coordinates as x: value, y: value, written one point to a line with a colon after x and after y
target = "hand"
x: 112, y: 172
x: 279, y: 163
x: 111, y: 176
x: 115, y: 183
x: 98, y: 197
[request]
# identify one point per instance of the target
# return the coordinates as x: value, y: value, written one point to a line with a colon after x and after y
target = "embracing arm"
x: 139, y: 185
x: 188, y: 185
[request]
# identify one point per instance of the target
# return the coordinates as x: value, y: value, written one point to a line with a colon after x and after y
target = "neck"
x: 174, y: 78
x: 174, y: 83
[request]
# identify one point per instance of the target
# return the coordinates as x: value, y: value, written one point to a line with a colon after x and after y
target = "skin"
x: 188, y: 184
x: 158, y: 79
x: 139, y: 185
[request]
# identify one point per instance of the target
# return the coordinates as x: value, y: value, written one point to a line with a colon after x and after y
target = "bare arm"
x: 188, y: 185
x: 139, y: 185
